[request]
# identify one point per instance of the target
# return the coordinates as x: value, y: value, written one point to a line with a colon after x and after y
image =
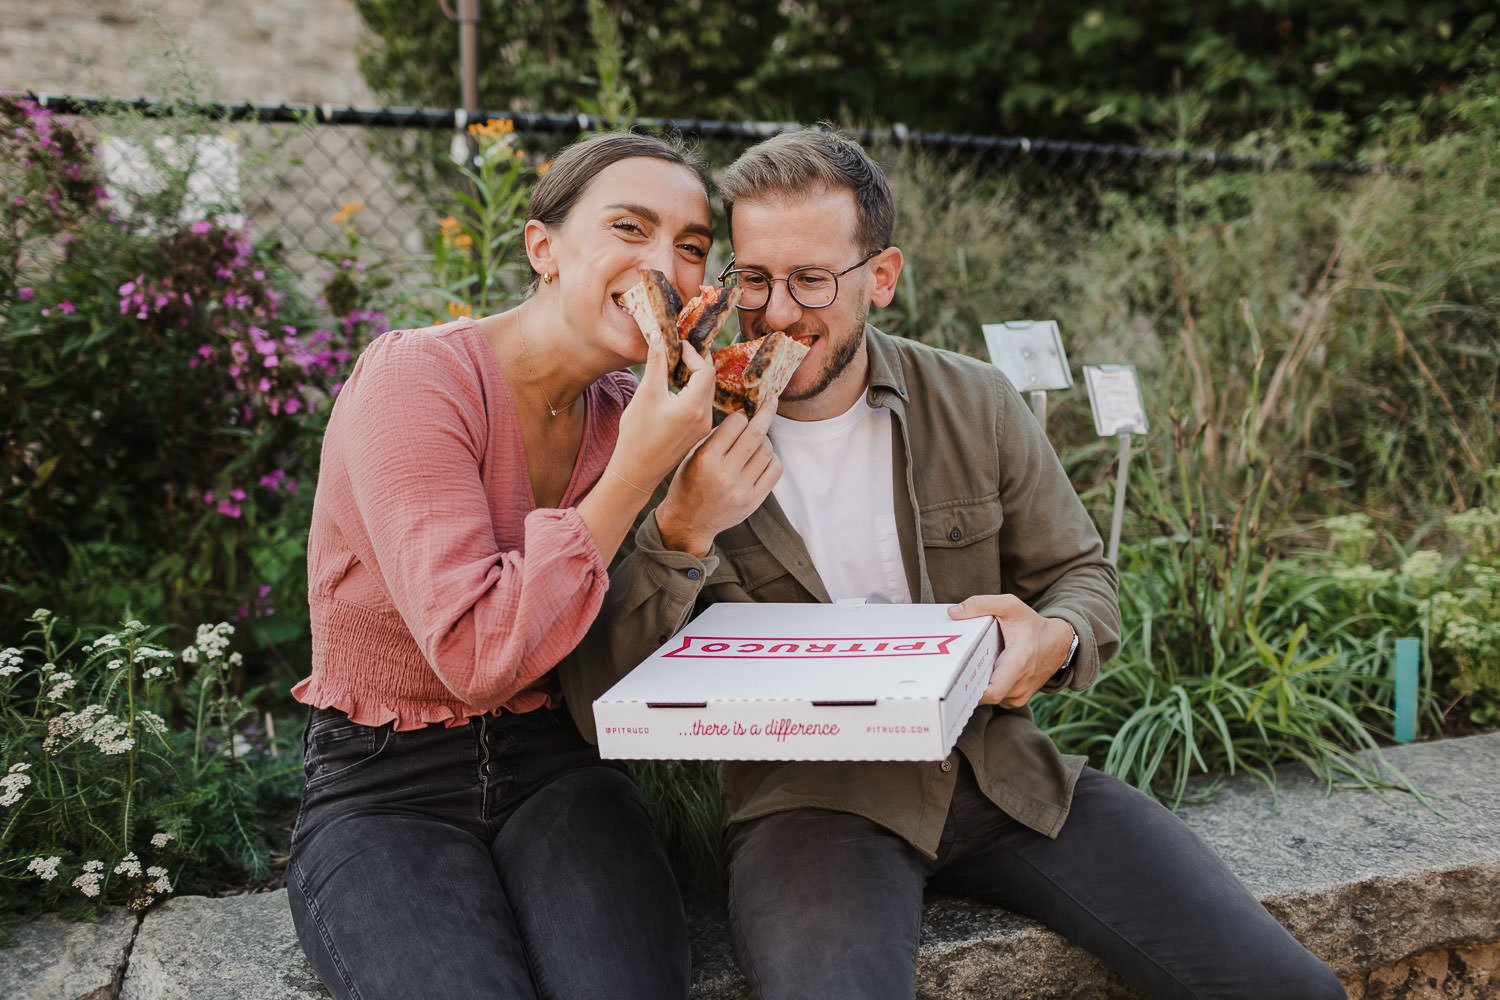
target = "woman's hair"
x: 808, y: 162
x: 573, y: 169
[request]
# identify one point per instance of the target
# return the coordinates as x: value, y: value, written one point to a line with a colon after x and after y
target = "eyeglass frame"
x: 729, y: 269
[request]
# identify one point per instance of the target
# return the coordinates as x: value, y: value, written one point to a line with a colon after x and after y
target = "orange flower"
x: 457, y: 309
x: 492, y: 131
x: 542, y: 168
x: 347, y: 211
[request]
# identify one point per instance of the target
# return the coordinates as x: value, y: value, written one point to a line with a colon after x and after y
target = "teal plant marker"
x: 1408, y: 655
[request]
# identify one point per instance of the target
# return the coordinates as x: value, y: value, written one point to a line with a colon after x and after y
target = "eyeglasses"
x: 811, y: 287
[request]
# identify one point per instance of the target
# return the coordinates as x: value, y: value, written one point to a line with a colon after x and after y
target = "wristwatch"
x: 1063, y: 672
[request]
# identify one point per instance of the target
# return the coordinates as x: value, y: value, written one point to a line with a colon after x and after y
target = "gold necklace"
x: 531, y: 367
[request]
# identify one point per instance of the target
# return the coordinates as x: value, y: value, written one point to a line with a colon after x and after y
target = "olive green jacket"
x: 983, y: 507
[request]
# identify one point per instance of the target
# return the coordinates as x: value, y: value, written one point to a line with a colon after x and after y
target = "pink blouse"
x: 438, y: 589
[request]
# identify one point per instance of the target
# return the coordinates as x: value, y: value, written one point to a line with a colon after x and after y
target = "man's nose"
x: 781, y: 310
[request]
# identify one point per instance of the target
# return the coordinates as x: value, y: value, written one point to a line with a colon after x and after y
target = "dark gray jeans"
x: 827, y: 904
x: 497, y: 859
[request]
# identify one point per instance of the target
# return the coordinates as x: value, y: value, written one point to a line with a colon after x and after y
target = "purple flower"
x: 229, y: 509
x: 201, y: 226
x: 26, y: 294
x: 67, y: 307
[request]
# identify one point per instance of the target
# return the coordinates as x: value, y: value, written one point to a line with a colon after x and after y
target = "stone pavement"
x: 1402, y: 899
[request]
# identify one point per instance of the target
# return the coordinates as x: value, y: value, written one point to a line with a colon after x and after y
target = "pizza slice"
x: 655, y: 304
x: 701, y: 320
x: 752, y: 370
x: 659, y: 312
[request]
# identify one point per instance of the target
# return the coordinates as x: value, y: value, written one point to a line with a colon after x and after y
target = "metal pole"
x: 1121, y: 478
x: 468, y: 53
x: 1039, y: 408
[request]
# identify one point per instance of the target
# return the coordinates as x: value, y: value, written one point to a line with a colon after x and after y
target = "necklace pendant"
x: 550, y: 409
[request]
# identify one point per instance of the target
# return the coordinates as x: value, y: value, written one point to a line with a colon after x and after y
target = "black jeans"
x: 497, y: 859
x: 827, y: 904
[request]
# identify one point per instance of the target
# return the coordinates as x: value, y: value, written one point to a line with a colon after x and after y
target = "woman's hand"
x: 659, y: 427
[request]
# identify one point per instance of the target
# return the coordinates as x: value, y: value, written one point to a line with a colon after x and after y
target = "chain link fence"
x: 290, y: 169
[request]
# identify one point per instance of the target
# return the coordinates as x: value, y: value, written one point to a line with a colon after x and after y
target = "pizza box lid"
x: 818, y: 653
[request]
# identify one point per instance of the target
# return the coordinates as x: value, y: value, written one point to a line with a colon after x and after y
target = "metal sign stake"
x: 1039, y: 408
x: 1121, y: 479
x: 1119, y: 411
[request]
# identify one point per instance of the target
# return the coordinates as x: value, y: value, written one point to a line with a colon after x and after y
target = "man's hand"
x: 1032, y: 648
x: 721, y: 483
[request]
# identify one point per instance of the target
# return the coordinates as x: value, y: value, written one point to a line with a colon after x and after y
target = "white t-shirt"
x: 836, y: 491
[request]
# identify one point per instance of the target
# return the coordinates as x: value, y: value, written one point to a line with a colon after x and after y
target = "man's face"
x: 777, y: 235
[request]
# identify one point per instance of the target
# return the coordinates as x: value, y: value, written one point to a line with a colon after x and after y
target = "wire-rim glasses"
x: 811, y: 286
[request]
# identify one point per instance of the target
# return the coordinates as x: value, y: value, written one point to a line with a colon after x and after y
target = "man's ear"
x: 886, y: 271
x: 539, y: 247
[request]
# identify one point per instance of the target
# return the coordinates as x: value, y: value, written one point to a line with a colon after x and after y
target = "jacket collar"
x: 887, y: 379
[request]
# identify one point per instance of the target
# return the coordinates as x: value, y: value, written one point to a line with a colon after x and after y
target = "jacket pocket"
x: 961, y: 540
x: 759, y: 571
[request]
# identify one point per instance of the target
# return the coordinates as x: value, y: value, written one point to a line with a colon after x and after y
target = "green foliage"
x: 164, y: 389
x: 1233, y: 658
x: 108, y: 797
x: 1080, y: 68
x: 477, y: 252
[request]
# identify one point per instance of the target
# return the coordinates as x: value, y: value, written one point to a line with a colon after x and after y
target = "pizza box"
x: 803, y: 682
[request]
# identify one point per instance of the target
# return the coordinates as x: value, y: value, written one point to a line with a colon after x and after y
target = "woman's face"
x: 638, y: 212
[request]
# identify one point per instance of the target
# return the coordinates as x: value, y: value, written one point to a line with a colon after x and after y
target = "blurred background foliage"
x: 1075, y: 69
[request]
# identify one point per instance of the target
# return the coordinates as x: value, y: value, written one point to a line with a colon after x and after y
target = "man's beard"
x: 843, y: 357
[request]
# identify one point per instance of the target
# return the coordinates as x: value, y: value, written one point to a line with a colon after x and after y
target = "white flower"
x: 109, y: 734
x: 44, y: 868
x: 114, y: 664
x: 13, y: 782
x: 235, y: 659
x: 134, y: 626
x: 88, y: 882
x: 129, y: 865
x: 62, y: 682
x: 40, y: 615
x: 162, y: 885
x: 190, y: 655
x: 11, y: 659
x: 161, y: 840
x: 151, y: 722
x: 108, y: 639
x: 93, y: 866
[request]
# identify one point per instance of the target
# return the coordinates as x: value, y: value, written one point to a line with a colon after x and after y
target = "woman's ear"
x: 539, y: 247
x: 886, y: 271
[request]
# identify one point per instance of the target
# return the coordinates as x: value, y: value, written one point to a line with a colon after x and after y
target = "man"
x: 896, y: 472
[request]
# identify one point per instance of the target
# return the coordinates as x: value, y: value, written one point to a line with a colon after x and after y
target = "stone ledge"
x: 1400, y: 898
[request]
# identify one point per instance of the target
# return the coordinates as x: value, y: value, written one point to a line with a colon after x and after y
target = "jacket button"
x: 694, y: 573
x: 490, y: 767
x: 955, y: 534
x: 947, y: 764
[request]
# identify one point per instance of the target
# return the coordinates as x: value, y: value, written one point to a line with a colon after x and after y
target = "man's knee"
x: 824, y: 904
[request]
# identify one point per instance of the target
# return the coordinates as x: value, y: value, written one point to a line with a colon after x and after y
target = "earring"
x: 547, y: 278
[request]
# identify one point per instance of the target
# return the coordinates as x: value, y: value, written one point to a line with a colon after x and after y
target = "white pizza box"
x: 803, y: 682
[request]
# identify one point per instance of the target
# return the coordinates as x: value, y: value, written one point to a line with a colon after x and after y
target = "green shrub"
x: 164, y: 388
x: 112, y: 794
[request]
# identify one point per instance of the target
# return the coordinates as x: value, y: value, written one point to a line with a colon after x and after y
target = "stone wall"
x: 264, y: 51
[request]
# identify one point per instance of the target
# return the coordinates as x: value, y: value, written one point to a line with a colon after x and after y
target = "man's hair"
x: 813, y: 161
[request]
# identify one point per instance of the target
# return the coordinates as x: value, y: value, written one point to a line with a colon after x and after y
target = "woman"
x: 457, y: 837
